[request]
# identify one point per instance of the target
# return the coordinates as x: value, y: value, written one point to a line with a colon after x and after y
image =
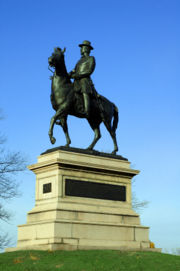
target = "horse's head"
x: 57, y: 57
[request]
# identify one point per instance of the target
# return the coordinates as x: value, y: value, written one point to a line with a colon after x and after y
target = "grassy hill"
x: 95, y: 260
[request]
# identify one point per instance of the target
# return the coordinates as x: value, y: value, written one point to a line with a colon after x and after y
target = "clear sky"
x: 137, y: 67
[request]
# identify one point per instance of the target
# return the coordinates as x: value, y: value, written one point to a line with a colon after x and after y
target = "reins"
x: 50, y: 70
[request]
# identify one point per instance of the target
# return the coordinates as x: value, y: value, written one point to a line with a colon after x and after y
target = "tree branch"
x: 5, y: 241
x: 4, y: 215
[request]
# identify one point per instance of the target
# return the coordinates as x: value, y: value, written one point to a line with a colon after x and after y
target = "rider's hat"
x: 86, y: 43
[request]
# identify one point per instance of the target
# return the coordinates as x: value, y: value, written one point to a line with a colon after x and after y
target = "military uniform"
x: 82, y: 80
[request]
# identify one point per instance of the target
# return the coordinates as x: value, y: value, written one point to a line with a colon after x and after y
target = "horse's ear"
x: 64, y: 50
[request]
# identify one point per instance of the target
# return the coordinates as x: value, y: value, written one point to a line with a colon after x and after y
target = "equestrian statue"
x: 79, y: 98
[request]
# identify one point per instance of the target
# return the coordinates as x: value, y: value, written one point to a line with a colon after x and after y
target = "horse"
x: 66, y: 101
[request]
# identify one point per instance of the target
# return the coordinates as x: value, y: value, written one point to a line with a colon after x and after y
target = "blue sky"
x: 137, y: 67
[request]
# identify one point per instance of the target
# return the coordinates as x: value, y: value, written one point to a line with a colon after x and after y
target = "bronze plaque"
x: 85, y: 189
x: 46, y: 188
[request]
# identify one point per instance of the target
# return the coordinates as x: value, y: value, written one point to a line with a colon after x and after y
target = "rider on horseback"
x: 65, y: 101
x: 81, y: 75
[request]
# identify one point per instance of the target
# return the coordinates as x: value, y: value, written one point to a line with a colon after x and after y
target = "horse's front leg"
x: 52, y: 122
x: 50, y: 133
x: 63, y: 123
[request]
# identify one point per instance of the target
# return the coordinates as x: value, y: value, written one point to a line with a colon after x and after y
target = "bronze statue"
x: 81, y: 74
x: 80, y: 98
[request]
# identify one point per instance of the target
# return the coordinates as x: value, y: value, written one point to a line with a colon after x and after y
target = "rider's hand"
x: 75, y: 76
x: 71, y: 73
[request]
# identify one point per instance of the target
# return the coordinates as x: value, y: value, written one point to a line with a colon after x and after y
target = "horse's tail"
x: 116, y: 118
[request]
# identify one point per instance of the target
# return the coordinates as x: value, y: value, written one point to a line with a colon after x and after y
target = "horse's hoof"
x: 53, y: 140
x: 67, y: 145
x: 113, y: 152
x: 90, y: 149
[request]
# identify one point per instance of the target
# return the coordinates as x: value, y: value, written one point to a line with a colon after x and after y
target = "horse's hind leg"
x: 113, y: 135
x: 63, y: 123
x: 97, y: 134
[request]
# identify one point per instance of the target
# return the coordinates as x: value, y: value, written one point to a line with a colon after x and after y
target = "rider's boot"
x: 86, y: 104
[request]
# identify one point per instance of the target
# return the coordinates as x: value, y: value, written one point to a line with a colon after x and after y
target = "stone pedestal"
x: 83, y: 201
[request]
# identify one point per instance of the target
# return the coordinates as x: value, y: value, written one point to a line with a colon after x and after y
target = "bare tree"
x: 137, y: 204
x: 11, y: 163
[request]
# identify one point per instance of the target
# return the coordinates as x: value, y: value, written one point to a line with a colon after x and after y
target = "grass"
x: 94, y: 260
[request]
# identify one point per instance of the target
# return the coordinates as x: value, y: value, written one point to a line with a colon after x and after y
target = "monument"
x: 83, y: 197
